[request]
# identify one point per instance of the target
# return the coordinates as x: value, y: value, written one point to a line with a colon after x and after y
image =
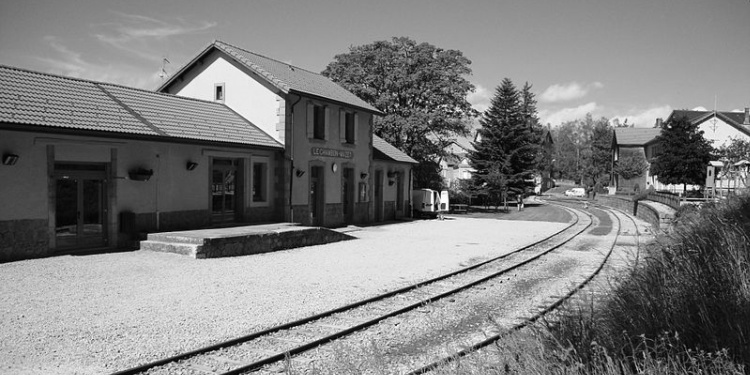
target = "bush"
x: 696, y: 289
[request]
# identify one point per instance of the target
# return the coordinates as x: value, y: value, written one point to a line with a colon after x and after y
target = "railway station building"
x: 338, y: 171
x: 233, y: 138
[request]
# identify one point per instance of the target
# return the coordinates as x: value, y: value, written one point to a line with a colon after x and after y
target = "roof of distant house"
x: 45, y: 100
x: 734, y: 119
x: 386, y: 151
x: 285, y: 77
x: 635, y: 136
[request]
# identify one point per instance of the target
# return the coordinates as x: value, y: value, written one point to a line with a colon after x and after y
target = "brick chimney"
x: 659, y: 121
x: 747, y: 116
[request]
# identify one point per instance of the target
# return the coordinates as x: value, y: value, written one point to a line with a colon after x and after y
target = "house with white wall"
x: 718, y: 127
x: 326, y: 132
x: 89, y: 165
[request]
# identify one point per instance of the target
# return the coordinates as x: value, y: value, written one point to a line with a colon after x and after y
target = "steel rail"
x: 494, y: 338
x: 315, y: 343
x: 239, y: 340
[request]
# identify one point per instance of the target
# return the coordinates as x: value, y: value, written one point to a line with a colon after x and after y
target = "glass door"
x: 80, y: 207
x: 223, y: 190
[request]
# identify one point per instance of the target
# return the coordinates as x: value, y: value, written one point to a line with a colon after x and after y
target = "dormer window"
x: 219, y: 92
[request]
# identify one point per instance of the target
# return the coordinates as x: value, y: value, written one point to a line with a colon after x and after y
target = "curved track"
x: 305, y: 334
x: 544, y: 311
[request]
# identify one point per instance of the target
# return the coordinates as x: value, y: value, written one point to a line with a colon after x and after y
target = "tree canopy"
x: 507, y: 152
x: 422, y: 90
x: 684, y: 154
x: 583, y: 150
x: 735, y: 150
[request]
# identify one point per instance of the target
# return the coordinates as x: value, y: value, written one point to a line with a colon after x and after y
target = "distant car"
x: 575, y: 192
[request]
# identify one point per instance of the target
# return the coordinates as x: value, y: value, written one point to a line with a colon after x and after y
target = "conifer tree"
x: 505, y: 154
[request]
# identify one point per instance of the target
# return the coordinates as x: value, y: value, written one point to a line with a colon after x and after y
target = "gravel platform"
x: 102, y: 313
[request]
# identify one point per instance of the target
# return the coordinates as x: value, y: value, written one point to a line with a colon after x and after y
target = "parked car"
x: 575, y: 192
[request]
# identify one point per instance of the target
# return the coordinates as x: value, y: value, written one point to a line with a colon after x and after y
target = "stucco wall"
x: 180, y: 198
x: 390, y: 192
x: 23, y: 186
x: 306, y: 151
x: 722, y: 134
x: 252, y: 98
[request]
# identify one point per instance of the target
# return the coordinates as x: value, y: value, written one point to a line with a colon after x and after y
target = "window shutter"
x: 342, y: 126
x: 310, y: 120
x: 356, y: 126
x: 326, y: 123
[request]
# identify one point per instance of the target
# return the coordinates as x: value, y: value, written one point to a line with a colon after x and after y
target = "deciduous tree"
x: 684, y: 154
x: 422, y: 90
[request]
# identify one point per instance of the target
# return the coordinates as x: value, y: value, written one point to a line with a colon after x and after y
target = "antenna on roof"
x: 714, y: 120
x: 163, y: 72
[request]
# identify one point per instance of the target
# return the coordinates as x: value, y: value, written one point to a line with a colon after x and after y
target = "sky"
x: 624, y: 59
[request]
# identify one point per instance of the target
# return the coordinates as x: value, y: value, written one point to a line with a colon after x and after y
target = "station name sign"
x: 332, y: 153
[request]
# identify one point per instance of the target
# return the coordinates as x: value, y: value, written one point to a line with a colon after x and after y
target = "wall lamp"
x: 191, y: 165
x: 10, y: 159
x: 299, y: 173
x: 363, y: 175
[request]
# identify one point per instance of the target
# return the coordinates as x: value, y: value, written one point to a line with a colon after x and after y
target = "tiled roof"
x: 283, y: 76
x: 734, y: 119
x: 635, y: 136
x: 384, y: 151
x: 39, y: 99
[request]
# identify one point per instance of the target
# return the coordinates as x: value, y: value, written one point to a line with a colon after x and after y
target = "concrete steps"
x: 245, y: 240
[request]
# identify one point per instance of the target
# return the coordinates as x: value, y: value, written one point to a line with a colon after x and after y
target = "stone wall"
x: 334, y: 215
x: 23, y: 239
x: 644, y: 210
x: 301, y: 214
x: 256, y: 215
x: 362, y: 212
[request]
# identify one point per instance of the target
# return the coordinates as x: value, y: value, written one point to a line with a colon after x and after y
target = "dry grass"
x: 684, y: 310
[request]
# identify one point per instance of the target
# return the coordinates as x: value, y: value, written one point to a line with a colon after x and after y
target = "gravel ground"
x: 102, y: 313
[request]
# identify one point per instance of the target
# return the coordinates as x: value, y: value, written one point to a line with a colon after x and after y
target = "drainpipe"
x: 291, y: 160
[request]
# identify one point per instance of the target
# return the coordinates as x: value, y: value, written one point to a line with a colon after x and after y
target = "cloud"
x: 70, y: 63
x: 699, y: 108
x: 566, y: 114
x: 134, y: 34
x: 643, y: 118
x: 566, y: 92
x: 480, y: 98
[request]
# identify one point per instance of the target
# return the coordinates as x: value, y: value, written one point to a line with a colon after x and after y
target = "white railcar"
x: 428, y: 202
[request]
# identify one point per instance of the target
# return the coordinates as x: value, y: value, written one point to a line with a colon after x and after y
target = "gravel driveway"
x: 102, y: 313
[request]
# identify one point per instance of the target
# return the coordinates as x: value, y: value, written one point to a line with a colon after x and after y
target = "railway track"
x: 277, y: 344
x: 469, y: 349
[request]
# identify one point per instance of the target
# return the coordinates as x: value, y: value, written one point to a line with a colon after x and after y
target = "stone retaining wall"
x: 644, y: 210
x: 23, y: 239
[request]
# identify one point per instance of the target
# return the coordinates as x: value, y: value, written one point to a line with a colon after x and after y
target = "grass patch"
x: 684, y: 310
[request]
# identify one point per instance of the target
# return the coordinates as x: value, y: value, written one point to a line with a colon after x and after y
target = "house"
x: 456, y: 165
x: 392, y: 194
x: 631, y: 142
x: 90, y: 165
x: 718, y: 127
x: 330, y: 172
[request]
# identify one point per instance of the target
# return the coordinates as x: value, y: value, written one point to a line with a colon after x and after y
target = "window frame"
x: 220, y: 88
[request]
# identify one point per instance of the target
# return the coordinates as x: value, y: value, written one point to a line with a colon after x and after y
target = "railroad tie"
x: 228, y: 360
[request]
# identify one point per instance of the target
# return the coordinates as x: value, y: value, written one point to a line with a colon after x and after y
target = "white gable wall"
x: 723, y: 133
x: 243, y: 94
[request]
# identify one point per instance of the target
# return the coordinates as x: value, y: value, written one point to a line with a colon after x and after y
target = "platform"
x: 241, y: 240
